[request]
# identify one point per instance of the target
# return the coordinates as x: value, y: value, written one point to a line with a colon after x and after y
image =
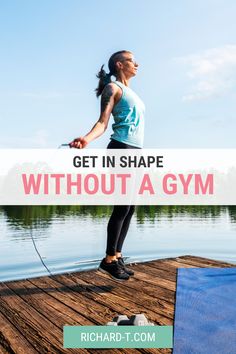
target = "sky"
x: 52, y: 50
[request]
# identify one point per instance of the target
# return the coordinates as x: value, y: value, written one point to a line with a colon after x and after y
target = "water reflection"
x: 41, y: 217
x: 71, y: 238
x: 153, y: 213
x: 232, y: 213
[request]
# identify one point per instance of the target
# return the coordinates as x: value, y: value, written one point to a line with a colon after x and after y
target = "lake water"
x: 73, y: 238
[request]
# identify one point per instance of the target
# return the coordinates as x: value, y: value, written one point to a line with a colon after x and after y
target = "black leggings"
x: 118, y: 224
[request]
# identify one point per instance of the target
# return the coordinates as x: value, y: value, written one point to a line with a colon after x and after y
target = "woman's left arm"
x: 107, y: 104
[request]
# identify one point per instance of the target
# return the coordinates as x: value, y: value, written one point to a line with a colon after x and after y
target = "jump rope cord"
x: 36, y: 249
x: 33, y: 240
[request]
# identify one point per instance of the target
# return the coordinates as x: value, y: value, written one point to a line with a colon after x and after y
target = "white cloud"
x: 213, y: 72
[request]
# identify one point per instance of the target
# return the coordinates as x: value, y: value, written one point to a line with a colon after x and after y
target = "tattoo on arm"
x: 106, y: 97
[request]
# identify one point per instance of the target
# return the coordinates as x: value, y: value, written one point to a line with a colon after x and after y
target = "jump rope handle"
x: 64, y: 145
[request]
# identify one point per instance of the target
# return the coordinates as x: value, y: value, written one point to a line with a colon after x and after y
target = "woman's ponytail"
x: 104, y: 79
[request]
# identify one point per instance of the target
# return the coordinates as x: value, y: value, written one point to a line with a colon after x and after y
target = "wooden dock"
x: 34, y: 311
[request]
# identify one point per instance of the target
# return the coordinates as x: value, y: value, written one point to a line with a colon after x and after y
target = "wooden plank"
x: 70, y: 298
x: 12, y: 340
x: 156, y: 272
x: 77, y: 296
x: 119, y: 304
x: 148, y: 303
x: 166, y: 284
x: 34, y: 311
x: 156, y: 351
x: 39, y: 331
x: 3, y: 350
x: 163, y: 293
x: 163, y: 265
x: 192, y: 264
x: 52, y: 309
x: 177, y: 264
x: 141, y: 286
x: 203, y: 262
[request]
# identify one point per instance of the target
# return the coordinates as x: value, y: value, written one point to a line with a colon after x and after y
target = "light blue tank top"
x: 128, y: 115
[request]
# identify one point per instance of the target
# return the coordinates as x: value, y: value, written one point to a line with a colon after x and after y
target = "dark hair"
x: 105, y: 78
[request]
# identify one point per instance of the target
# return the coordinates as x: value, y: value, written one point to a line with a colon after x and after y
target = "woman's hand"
x: 78, y: 143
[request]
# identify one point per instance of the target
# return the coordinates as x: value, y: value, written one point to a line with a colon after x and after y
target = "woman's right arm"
x: 107, y: 104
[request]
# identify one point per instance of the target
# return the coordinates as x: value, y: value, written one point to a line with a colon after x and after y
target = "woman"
x: 128, y: 130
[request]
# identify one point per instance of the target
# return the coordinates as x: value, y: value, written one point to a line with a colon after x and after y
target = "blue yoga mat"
x: 205, y: 312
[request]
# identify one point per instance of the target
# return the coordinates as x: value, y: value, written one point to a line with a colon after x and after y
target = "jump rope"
x: 31, y: 232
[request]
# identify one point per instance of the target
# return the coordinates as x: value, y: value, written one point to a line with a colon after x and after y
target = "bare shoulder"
x: 110, y: 96
x: 110, y: 89
x: 114, y: 91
